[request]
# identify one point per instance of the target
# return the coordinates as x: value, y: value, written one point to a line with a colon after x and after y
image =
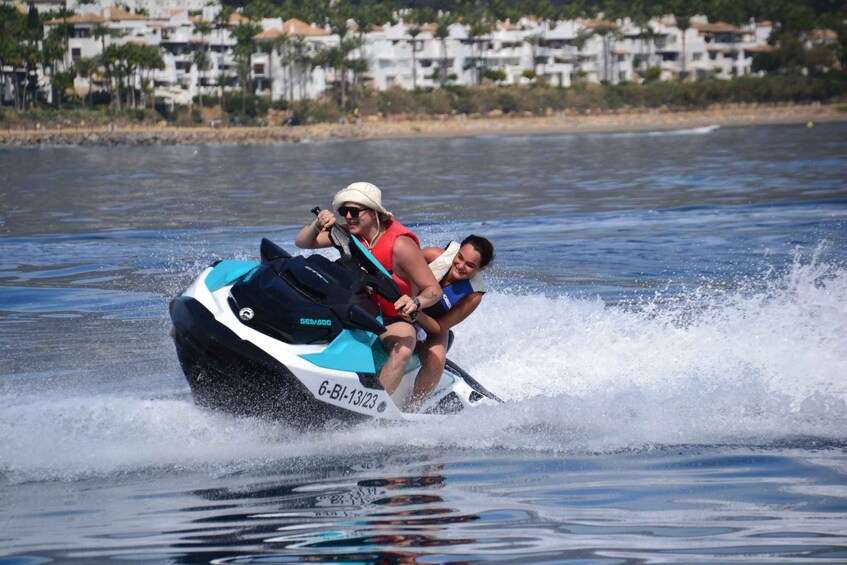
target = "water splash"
x: 754, y: 363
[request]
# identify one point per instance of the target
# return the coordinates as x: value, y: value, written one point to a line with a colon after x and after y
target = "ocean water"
x: 666, y: 321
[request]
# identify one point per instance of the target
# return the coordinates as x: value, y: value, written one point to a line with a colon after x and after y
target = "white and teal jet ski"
x: 295, y: 338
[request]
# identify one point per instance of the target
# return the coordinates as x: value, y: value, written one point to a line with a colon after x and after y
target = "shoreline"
x: 444, y: 127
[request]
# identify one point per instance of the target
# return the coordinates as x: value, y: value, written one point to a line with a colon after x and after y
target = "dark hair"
x: 483, y: 247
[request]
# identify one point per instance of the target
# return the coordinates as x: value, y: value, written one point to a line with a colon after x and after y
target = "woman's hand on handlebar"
x: 325, y: 220
x: 312, y: 235
x: 407, y: 306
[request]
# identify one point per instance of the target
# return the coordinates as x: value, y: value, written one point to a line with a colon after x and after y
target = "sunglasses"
x: 354, y: 212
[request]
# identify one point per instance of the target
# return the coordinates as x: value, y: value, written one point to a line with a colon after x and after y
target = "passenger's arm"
x: 452, y: 317
x: 409, y: 258
x: 431, y: 254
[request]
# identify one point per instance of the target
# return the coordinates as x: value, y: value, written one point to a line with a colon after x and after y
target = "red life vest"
x: 383, y: 252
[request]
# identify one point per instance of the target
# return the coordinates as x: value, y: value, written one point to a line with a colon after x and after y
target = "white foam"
x: 764, y: 361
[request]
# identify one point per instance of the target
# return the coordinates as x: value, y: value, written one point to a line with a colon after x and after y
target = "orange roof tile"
x: 759, y: 49
x: 83, y: 19
x: 596, y: 23
x: 237, y: 18
x: 717, y: 27
x: 117, y: 15
x: 822, y: 35
x: 272, y: 33
x: 298, y: 27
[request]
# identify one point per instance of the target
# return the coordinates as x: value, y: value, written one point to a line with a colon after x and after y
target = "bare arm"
x: 316, y: 234
x: 410, y: 260
x: 452, y: 317
x: 431, y: 253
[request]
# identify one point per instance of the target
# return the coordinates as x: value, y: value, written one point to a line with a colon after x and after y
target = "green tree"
x: 365, y: 16
x: 243, y: 53
x: 535, y: 41
x: 480, y: 26
x: 683, y: 12
x: 339, y: 57
x: 413, y: 32
x: 86, y: 67
x: 221, y: 24
x: 147, y: 60
x: 201, y: 56
x: 53, y: 49
x: 442, y: 33
x: 609, y: 33
x: 112, y: 61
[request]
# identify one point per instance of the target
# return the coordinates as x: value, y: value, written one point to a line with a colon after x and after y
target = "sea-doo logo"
x: 314, y: 322
x: 246, y: 314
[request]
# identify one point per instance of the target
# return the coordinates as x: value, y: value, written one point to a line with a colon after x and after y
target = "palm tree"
x: 366, y: 16
x: 302, y: 61
x: 52, y: 53
x: 86, y: 67
x: 149, y: 59
x: 479, y: 28
x: 338, y: 57
x: 442, y: 32
x: 642, y: 22
x: 683, y: 22
x: 413, y: 32
x: 101, y: 32
x: 579, y: 41
x: 201, y: 57
x: 243, y: 53
x: 609, y: 32
x: 220, y: 23
x: 281, y: 45
x: 201, y: 61
x: 535, y: 41
x: 110, y: 58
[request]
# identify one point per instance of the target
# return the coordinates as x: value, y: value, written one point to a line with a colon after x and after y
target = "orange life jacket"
x: 383, y: 252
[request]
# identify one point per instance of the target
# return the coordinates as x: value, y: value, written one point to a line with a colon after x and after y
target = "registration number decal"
x: 351, y: 395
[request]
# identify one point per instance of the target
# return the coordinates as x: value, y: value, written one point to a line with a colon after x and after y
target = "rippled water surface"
x: 666, y: 322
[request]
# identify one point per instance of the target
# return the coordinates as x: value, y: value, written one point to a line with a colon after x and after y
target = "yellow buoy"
x: 810, y: 124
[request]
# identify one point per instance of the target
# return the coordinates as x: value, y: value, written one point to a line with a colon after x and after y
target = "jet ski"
x: 295, y: 338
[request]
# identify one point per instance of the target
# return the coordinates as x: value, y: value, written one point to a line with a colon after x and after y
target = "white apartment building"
x: 285, y: 62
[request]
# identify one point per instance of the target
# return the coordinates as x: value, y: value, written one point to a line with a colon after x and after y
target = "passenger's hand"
x: 408, y: 306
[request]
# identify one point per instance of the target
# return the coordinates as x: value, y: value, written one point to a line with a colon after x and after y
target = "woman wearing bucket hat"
x: 398, y: 250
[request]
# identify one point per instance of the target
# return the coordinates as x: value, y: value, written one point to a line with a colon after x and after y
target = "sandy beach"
x: 441, y: 127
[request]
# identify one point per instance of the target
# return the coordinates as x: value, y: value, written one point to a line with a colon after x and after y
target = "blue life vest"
x: 455, y: 292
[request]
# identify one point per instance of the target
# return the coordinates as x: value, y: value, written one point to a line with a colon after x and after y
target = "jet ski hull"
x: 231, y: 374
x: 278, y: 340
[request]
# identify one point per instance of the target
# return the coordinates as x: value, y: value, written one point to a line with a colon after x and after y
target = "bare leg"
x: 433, y: 354
x: 399, y: 342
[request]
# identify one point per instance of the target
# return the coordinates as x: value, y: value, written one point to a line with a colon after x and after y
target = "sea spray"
x: 755, y: 363
x: 763, y: 361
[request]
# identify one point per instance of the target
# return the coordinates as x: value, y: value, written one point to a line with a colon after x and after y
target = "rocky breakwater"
x: 137, y: 136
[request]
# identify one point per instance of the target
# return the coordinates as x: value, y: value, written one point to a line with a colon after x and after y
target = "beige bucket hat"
x: 362, y: 193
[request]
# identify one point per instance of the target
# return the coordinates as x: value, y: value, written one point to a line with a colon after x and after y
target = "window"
x: 76, y: 53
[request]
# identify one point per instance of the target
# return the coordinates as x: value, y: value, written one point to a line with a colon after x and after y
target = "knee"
x: 401, y: 347
x: 404, y: 348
